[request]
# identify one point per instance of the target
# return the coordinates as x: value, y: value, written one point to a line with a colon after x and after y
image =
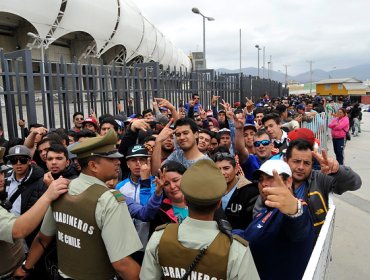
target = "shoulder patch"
x: 158, y: 228
x: 118, y: 196
x: 241, y: 240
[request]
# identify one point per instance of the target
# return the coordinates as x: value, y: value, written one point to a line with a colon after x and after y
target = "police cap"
x: 203, y: 183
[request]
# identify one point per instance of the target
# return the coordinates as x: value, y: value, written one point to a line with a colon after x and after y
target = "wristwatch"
x: 27, y: 270
x: 299, y: 210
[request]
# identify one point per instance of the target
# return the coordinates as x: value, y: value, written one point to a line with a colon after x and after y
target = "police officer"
x: 94, y: 232
x: 13, y: 229
x: 197, y: 248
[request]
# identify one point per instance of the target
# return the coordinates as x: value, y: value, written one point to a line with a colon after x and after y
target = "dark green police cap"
x: 203, y: 183
x: 103, y: 146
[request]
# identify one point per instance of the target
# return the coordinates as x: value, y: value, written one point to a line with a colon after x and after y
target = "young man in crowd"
x: 241, y: 194
x: 23, y: 185
x: 91, y: 124
x: 187, y: 153
x: 282, y: 227
x: 204, y: 140
x: 279, y: 138
x: 77, y: 118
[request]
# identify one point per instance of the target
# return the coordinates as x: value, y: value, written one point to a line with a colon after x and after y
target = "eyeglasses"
x: 263, y: 142
x: 223, y: 156
x: 79, y: 119
x: 22, y: 160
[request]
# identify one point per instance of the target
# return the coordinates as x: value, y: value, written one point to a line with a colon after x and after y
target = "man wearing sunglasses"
x: 262, y: 148
x: 23, y: 186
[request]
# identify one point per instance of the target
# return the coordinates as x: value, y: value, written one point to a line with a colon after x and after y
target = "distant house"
x: 344, y: 86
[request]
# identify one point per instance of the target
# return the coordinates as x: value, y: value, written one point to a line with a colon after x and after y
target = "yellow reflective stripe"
x: 319, y: 223
x: 322, y: 199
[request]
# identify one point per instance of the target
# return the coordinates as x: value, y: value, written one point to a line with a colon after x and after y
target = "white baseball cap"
x: 268, y: 166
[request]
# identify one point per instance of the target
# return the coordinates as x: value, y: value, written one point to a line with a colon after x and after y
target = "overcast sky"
x: 332, y: 33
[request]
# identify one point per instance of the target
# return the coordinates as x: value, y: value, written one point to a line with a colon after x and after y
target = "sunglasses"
x: 22, y: 160
x: 263, y: 142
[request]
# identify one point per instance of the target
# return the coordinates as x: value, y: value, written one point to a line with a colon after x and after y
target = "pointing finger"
x: 278, y: 181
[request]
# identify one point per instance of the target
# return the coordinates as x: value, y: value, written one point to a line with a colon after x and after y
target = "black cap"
x: 137, y: 151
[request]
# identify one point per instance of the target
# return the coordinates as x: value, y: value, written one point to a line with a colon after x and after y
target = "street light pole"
x: 196, y: 11
x: 258, y: 54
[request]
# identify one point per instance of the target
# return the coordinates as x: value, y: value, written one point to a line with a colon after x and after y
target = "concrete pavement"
x: 351, y: 241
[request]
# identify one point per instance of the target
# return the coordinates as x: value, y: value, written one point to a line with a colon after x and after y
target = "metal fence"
x: 50, y: 92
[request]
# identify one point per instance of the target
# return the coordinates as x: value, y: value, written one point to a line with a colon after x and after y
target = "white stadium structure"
x: 102, y: 30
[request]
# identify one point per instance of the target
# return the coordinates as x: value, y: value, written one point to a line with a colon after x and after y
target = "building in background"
x: 97, y: 31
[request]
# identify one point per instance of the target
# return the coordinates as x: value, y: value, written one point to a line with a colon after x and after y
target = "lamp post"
x: 258, y: 55
x: 42, y: 43
x: 196, y: 11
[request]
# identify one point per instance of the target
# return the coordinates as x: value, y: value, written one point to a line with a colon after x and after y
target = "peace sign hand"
x: 328, y: 165
x: 249, y: 104
x: 160, y: 182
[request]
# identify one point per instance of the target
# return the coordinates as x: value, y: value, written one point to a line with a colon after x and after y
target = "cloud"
x: 332, y: 33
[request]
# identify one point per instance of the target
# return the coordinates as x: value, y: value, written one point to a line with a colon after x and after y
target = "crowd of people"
x: 234, y: 191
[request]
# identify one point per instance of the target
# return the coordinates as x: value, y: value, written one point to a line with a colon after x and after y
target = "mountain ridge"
x: 360, y: 72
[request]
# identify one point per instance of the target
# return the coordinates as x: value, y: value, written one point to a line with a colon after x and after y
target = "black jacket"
x: 33, y: 189
x: 239, y: 210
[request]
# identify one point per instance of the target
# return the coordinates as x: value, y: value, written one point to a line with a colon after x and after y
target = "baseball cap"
x: 203, y: 183
x: 268, y: 166
x: 102, y: 146
x: 19, y: 150
x: 250, y: 126
x: 224, y: 131
x: 137, y: 151
x: 302, y: 133
x: 90, y: 120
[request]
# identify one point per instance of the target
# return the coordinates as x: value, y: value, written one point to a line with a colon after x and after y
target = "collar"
x: 200, y: 224
x: 91, y: 179
x: 283, y: 137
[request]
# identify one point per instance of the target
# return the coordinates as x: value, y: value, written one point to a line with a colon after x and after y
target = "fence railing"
x: 50, y: 92
x: 319, y: 262
x: 319, y: 126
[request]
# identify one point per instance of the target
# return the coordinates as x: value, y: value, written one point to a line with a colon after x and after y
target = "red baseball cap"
x: 302, y: 133
x: 91, y: 120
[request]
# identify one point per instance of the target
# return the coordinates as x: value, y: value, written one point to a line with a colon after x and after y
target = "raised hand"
x: 140, y: 124
x: 239, y: 122
x: 249, y: 104
x: 165, y: 132
x: 214, y: 99
x: 48, y: 178
x: 280, y: 195
x: 160, y: 182
x: 164, y: 103
x: 145, y: 169
x: 328, y: 165
x: 57, y: 188
x: 202, y: 113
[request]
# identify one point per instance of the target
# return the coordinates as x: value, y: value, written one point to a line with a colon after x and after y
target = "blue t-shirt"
x: 180, y: 212
x: 226, y: 197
